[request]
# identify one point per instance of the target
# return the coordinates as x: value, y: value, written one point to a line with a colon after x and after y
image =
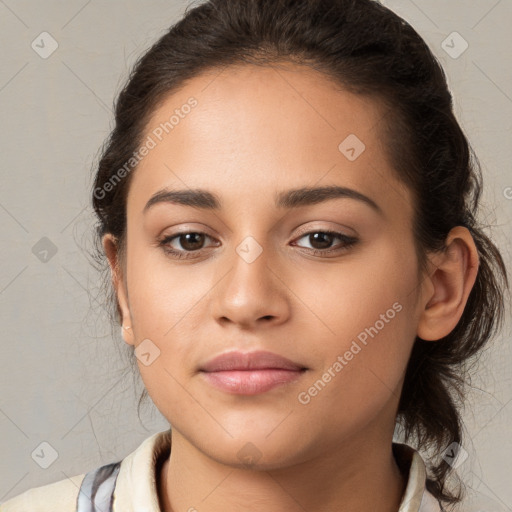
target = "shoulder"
x: 59, y: 496
x: 132, y: 478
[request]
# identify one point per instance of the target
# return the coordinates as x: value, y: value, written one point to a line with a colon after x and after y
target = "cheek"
x: 364, y: 314
x: 345, y: 298
x: 161, y: 295
x: 168, y: 308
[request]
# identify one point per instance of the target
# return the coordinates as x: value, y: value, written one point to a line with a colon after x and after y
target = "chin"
x: 256, y: 452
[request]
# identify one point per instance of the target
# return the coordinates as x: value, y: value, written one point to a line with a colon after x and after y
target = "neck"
x: 359, y: 475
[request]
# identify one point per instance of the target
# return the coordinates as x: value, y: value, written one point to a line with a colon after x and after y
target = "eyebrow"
x: 295, y: 198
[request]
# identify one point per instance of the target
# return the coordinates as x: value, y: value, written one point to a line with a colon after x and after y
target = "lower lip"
x: 251, y: 382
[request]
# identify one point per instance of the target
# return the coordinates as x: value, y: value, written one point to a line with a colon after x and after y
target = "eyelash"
x: 348, y: 242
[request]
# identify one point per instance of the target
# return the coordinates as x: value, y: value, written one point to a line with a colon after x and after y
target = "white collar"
x: 416, y: 497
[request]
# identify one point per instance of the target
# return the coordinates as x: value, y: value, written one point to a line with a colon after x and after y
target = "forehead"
x: 255, y: 130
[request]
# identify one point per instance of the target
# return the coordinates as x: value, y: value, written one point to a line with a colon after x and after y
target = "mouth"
x: 250, y: 373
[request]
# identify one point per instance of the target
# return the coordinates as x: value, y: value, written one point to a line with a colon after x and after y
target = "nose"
x: 252, y: 292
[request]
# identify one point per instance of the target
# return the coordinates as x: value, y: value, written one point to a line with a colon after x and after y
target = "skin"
x: 257, y: 131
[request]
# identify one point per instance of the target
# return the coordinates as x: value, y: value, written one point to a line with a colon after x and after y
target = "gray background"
x: 64, y: 380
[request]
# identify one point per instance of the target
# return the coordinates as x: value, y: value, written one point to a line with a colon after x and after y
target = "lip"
x: 250, y: 373
x: 257, y: 360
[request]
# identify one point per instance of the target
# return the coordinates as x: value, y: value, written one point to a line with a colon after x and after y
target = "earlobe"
x: 111, y: 251
x: 448, y: 287
x: 127, y: 338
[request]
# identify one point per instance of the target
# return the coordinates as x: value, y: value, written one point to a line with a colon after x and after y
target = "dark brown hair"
x: 369, y: 50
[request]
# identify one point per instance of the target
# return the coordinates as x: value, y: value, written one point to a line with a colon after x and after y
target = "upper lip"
x: 257, y: 360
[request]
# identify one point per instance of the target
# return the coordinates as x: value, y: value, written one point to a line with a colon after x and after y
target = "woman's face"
x: 261, y: 273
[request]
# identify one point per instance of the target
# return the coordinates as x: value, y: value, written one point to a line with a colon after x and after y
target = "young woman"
x: 287, y: 205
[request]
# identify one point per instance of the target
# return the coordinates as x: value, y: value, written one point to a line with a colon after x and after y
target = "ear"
x: 448, y: 285
x: 110, y: 247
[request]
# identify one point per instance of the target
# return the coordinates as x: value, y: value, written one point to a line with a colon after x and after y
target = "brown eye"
x: 184, y: 245
x: 321, y: 241
x: 191, y: 241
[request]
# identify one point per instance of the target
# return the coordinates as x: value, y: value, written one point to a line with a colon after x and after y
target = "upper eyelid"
x: 302, y: 230
x: 306, y: 231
